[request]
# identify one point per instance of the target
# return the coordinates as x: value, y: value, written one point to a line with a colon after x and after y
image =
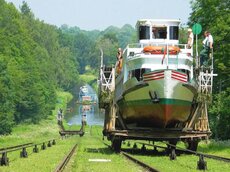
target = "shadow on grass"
x: 106, y: 151
x: 147, y: 152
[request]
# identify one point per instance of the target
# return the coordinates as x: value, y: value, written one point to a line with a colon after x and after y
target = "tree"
x: 214, y: 15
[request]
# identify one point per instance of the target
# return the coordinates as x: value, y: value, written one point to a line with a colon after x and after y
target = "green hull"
x: 145, y: 113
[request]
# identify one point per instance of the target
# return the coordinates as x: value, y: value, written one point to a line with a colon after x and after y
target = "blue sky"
x: 99, y: 14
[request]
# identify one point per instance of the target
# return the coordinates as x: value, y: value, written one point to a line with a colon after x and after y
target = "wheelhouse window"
x: 159, y: 32
x: 144, y: 32
x: 173, y: 32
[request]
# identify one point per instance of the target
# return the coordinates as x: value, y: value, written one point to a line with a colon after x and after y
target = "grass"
x: 45, y: 160
x: 90, y: 78
x: 189, y: 162
x: 91, y: 147
x: 87, y: 78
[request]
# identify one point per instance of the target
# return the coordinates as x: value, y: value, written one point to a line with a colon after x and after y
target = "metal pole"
x: 101, y: 57
x: 197, y: 58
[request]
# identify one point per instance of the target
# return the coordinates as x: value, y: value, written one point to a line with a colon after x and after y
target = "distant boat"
x: 83, y: 91
x: 84, y: 95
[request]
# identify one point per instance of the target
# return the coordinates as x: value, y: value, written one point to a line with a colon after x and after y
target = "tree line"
x: 37, y: 59
x: 33, y: 65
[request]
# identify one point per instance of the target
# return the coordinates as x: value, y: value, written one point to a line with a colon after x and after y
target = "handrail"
x: 23, y: 153
x: 12, y: 147
x: 26, y: 146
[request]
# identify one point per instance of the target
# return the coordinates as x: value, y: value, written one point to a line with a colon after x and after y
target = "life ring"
x: 161, y: 49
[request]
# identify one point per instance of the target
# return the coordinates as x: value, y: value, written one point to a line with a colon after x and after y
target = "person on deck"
x: 155, y: 34
x: 119, y: 60
x: 207, y: 47
x: 190, y: 38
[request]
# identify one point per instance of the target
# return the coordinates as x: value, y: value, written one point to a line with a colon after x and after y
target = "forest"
x: 37, y: 59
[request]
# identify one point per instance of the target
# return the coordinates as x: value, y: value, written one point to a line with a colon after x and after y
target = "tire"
x: 116, y: 145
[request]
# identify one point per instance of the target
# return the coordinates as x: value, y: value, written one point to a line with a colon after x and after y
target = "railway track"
x: 140, y: 163
x: 187, y: 151
x: 66, y: 159
x: 135, y: 160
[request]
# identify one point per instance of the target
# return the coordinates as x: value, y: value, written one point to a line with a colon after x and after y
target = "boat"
x: 158, y: 94
x: 83, y: 91
x: 156, y: 86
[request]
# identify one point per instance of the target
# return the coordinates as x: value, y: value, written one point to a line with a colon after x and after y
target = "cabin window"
x: 159, y: 32
x: 144, y: 32
x: 173, y: 32
x: 138, y: 73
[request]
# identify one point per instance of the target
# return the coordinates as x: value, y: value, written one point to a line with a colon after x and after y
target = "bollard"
x: 23, y: 153
x: 201, y: 164
x: 155, y: 149
x: 49, y: 144
x: 43, y: 147
x: 135, y: 146
x: 143, y: 148
x: 35, y: 149
x: 54, y: 142
x: 4, y: 159
x: 172, y: 155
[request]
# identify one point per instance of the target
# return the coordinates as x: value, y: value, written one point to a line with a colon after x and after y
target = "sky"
x: 100, y: 14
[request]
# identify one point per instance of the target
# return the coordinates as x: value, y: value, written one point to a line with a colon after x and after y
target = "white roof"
x: 173, y: 22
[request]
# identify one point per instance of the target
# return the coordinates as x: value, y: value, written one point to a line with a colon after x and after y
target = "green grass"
x: 91, y: 147
x: 87, y: 78
x: 90, y: 78
x: 188, y: 162
x: 45, y: 160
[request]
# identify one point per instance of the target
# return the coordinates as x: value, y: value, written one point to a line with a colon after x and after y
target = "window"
x: 144, y: 32
x: 159, y: 32
x: 173, y: 32
x: 138, y: 73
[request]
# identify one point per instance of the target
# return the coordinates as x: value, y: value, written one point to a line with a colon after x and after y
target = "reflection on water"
x: 91, y: 112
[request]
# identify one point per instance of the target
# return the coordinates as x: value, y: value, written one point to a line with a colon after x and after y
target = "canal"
x: 75, y: 111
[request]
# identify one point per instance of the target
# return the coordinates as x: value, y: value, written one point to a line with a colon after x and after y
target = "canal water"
x: 75, y: 111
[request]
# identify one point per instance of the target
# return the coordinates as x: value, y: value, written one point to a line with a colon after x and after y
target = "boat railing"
x: 183, y: 47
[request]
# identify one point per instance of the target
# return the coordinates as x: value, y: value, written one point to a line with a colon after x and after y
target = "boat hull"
x: 145, y: 113
x: 161, y: 102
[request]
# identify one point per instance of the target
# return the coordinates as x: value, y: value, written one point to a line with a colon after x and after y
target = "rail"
x: 202, y: 165
x: 13, y: 147
x: 66, y: 159
x: 4, y: 160
x: 142, y: 164
x: 136, y: 161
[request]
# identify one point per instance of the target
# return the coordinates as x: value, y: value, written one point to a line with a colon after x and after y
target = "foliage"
x: 33, y: 64
x: 220, y: 116
x: 214, y: 15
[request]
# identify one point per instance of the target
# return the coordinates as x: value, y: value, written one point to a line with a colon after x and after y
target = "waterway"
x: 92, y: 114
